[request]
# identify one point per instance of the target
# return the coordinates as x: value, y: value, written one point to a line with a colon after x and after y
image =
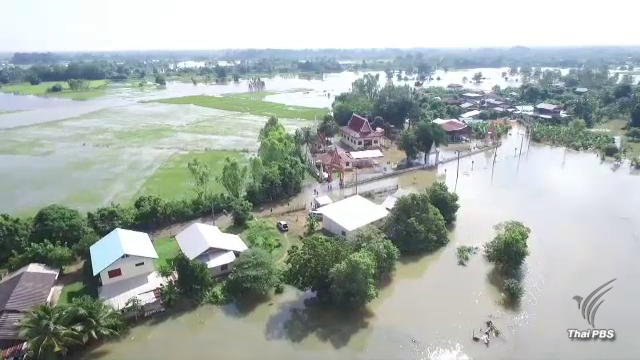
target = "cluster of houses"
x: 124, y: 262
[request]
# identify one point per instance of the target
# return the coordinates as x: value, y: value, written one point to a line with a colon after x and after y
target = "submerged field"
x: 251, y: 103
x: 117, y: 153
x: 95, y: 88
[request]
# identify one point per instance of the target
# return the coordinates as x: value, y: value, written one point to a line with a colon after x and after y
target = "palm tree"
x: 48, y: 331
x: 94, y: 319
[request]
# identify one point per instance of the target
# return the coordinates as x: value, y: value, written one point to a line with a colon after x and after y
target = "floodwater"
x: 585, y: 231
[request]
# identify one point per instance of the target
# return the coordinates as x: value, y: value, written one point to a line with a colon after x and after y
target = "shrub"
x: 55, y: 88
x: 513, y: 290
x: 610, y: 150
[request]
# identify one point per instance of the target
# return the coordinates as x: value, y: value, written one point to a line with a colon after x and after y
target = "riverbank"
x: 94, y: 89
x: 251, y: 103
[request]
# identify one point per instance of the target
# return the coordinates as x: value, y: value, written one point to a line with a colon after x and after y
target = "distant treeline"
x: 454, y: 58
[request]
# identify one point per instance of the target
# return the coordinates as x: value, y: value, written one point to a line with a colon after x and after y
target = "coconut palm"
x: 94, y: 319
x: 48, y: 331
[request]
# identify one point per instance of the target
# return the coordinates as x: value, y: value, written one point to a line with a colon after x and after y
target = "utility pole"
x: 521, y: 142
x: 356, y: 170
x: 457, y: 172
x: 213, y: 215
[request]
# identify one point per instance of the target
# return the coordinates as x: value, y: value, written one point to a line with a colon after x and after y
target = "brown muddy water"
x: 585, y: 231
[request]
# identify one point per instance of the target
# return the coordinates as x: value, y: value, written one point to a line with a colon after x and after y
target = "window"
x: 346, y: 164
x: 224, y: 267
x: 140, y: 263
x: 343, y: 233
x: 375, y: 141
x: 114, y: 273
x: 359, y: 142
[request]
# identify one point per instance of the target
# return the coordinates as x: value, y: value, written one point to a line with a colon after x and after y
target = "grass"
x: 616, y: 128
x: 172, y: 180
x: 167, y: 248
x: 95, y: 88
x: 72, y: 291
x: 251, y: 103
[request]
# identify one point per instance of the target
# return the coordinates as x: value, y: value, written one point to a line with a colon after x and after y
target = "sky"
x: 107, y: 25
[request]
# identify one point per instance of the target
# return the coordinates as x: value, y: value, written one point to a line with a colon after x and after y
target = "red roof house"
x: 359, y: 134
x: 456, y: 130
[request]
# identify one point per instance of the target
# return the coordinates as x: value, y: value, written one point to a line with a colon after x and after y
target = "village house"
x: 346, y: 217
x: 358, y: 134
x: 472, y: 96
x: 470, y: 115
x: 469, y: 106
x: 580, y: 90
x: 391, y: 200
x: 456, y: 130
x: 454, y: 86
x: 20, y: 292
x: 124, y: 259
x: 547, y: 111
x: 493, y: 103
x: 212, y: 247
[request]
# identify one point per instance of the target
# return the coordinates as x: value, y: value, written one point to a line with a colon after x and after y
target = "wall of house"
x: 332, y: 227
x: 217, y: 271
x: 351, y: 141
x: 128, y: 267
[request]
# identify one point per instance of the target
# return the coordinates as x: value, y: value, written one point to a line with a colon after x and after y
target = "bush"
x: 217, y: 295
x: 445, y: 201
x: 263, y: 235
x: 610, y: 150
x: 508, y: 249
x: 464, y: 252
x: 513, y: 290
x: 55, y: 88
x: 279, y: 288
x: 254, y: 273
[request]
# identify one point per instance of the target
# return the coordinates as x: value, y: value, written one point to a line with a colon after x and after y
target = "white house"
x: 206, y: 243
x: 347, y: 216
x: 390, y: 201
x: 124, y: 259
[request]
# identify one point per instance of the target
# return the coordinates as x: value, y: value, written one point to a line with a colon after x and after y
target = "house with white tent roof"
x: 209, y: 245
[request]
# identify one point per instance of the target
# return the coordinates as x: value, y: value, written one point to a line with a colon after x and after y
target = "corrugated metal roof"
x: 366, y: 154
x: 117, y: 243
x: 198, y: 238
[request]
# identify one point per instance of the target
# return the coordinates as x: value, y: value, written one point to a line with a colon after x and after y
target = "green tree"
x: 367, y: 86
x: 233, y: 177
x: 14, y: 235
x: 635, y: 116
x: 160, y: 80
x: 376, y: 243
x: 95, y: 320
x: 33, y: 79
x: 254, y: 273
x: 241, y: 212
x: 347, y: 104
x: 513, y: 71
x: 495, y: 89
x: 353, y: 280
x: 48, y: 330
x: 107, y: 218
x: 409, y: 144
x: 395, y: 104
x: 477, y: 77
x: 194, y: 278
x: 446, y: 202
x: 328, y: 126
x: 634, y: 134
x: 508, y: 249
x: 429, y: 134
x: 201, y: 176
x: 312, y: 226
x: 414, y: 225
x: 134, y: 306
x: 54, y: 255
x: 309, y: 264
x: 59, y: 224
x: 513, y: 290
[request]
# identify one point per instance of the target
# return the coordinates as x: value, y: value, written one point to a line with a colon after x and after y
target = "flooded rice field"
x: 585, y: 231
x: 107, y: 155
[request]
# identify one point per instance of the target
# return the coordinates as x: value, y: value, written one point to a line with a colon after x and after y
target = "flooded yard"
x: 585, y: 231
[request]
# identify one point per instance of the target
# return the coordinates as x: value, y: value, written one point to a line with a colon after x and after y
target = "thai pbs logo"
x: 589, y: 308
